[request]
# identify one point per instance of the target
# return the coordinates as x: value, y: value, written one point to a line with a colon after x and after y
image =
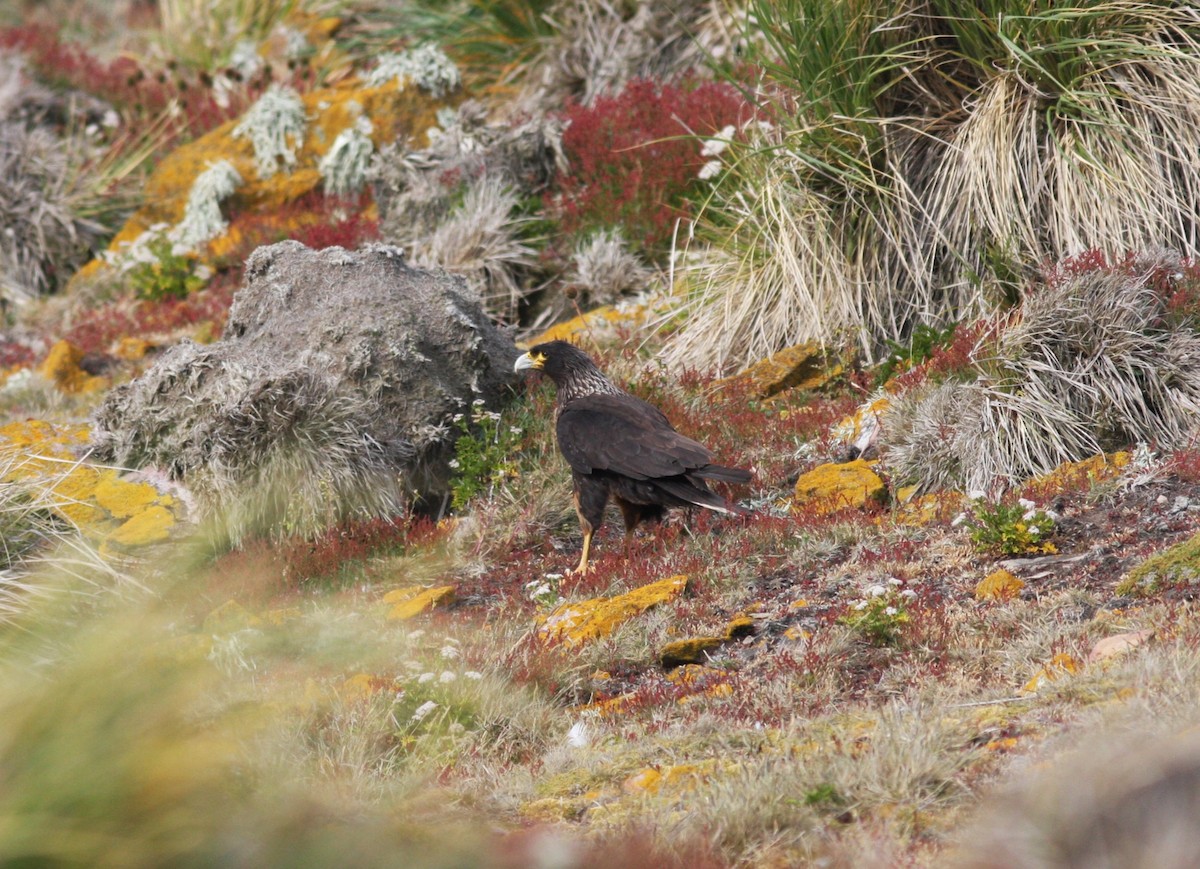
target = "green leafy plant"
x: 920, y: 346
x: 1011, y: 529
x: 881, y: 615
x: 484, y: 452
x: 169, y: 275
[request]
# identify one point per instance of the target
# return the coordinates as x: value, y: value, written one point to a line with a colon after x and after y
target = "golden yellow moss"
x: 833, y: 487
x: 1094, y: 470
x: 575, y: 623
x: 691, y: 651
x: 914, y: 509
x: 61, y: 367
x: 408, y: 603
x: 998, y: 585
x: 801, y: 366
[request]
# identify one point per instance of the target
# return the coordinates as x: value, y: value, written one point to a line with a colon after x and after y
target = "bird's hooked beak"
x: 530, y: 361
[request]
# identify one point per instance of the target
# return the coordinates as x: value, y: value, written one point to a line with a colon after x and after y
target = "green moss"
x: 1179, y: 565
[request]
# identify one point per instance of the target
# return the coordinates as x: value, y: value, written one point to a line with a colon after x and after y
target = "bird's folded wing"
x: 625, y: 435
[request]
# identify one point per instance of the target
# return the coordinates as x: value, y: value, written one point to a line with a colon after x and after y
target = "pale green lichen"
x: 344, y: 167
x: 268, y: 124
x: 426, y: 66
x: 202, y: 219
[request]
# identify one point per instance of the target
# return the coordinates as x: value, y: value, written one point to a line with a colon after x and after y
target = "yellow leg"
x: 583, y: 558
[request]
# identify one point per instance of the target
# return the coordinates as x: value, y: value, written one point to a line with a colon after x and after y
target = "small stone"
x: 832, y: 487
x: 1117, y: 644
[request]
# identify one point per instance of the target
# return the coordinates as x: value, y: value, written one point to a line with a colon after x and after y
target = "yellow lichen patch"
x: 1061, y: 664
x: 408, y: 603
x: 604, y: 708
x: 653, y: 779
x: 721, y: 689
x: 863, y: 424
x: 61, y: 367
x: 914, y: 509
x: 360, y: 687
x: 998, y: 585
x: 1070, y: 475
x: 801, y: 366
x: 123, y: 498
x: 132, y: 349
x: 600, y: 321
x: 151, y: 525
x: 834, y: 487
x: 691, y: 651
x: 575, y: 623
x: 691, y: 674
x: 230, y: 617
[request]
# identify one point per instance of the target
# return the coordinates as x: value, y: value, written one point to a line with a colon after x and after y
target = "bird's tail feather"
x: 701, y: 497
x: 722, y: 474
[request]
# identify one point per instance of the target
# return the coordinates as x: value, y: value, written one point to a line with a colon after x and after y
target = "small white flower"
x: 578, y: 736
x: 458, y: 417
x: 425, y: 677
x: 454, y: 465
x: 709, y: 170
x: 447, y: 676
x: 515, y: 429
x: 1027, y: 504
x: 876, y: 591
x: 424, y: 709
x: 473, y: 674
x: 908, y: 593
x: 860, y: 605
x: 477, y: 403
x: 891, y: 580
x: 553, y: 577
x: 890, y: 611
x: 450, y: 653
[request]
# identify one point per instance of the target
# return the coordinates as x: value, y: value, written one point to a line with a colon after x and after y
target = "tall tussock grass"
x: 919, y: 153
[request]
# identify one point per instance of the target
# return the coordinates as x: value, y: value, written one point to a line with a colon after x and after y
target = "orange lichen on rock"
x: 575, y: 623
x: 600, y: 321
x: 42, y: 457
x: 999, y: 585
x: 395, y: 113
x: 1060, y: 665
x: 408, y: 603
x: 1069, y: 475
x: 801, y: 366
x: 835, y: 487
x: 61, y: 367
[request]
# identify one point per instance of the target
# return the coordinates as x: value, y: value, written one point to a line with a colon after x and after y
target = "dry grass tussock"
x: 892, y: 195
x: 1093, y: 363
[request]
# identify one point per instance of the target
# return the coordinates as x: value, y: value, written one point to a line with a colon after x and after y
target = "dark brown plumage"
x: 619, y: 446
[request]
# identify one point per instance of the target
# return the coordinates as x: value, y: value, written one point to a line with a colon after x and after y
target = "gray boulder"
x: 331, y: 393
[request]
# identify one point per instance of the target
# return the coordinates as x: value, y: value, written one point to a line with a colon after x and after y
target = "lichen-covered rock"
x: 44, y: 459
x: 575, y: 623
x: 833, y: 487
x: 408, y: 603
x: 62, y: 367
x: 330, y: 394
x: 801, y: 366
x: 1177, y: 566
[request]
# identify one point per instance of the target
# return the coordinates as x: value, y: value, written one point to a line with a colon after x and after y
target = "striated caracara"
x: 619, y: 446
